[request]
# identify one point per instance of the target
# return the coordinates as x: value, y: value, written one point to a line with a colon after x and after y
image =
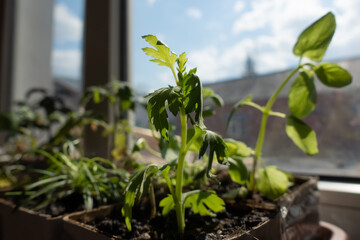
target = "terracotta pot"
x: 332, y: 232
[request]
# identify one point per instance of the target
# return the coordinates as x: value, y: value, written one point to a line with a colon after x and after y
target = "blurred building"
x: 336, y: 119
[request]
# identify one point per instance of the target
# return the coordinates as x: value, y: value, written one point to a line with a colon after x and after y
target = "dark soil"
x: 68, y: 204
x: 236, y: 218
x: 226, y: 223
x: 65, y: 205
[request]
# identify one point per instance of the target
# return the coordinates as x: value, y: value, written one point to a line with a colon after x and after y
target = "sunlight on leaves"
x: 302, y: 95
x: 333, y: 75
x: 314, y: 40
x: 302, y: 135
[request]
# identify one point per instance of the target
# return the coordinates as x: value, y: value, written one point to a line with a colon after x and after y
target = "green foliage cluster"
x: 99, y: 181
x: 183, y: 100
x: 31, y: 119
x: 64, y: 171
x: 311, y: 44
x: 120, y: 98
x: 96, y: 179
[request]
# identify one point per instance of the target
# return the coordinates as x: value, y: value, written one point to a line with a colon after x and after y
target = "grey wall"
x: 33, y: 26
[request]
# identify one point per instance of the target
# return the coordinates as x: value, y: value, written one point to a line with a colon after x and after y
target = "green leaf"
x: 237, y: 192
x: 237, y: 148
x: 125, y: 94
x: 217, y: 145
x: 10, y: 121
x: 237, y: 170
x: 314, y: 40
x: 181, y: 61
x: 165, y: 173
x: 167, y: 204
x: 205, y: 203
x: 96, y: 93
x: 161, y: 54
x: 134, y: 190
x: 88, y: 200
x: 302, y: 95
x: 197, y: 142
x: 333, y: 75
x: 193, y: 99
x: 169, y: 148
x: 139, y: 145
x: 272, y: 182
x: 157, y: 107
x: 209, y: 93
x: 302, y: 135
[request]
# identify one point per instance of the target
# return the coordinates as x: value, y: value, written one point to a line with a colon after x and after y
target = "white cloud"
x: 67, y: 27
x: 151, y: 2
x: 67, y: 63
x: 277, y: 15
x: 348, y: 23
x: 194, y: 13
x: 239, y: 6
x: 214, y: 64
x: 269, y: 31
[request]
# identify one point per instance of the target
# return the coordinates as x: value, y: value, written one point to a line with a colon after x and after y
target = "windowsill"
x: 339, y: 187
x: 340, y: 194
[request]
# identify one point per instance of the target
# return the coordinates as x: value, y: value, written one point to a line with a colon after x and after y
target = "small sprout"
x: 184, y: 100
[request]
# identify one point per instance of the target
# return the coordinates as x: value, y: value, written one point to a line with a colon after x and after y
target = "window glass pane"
x: 245, y: 47
x: 67, y: 49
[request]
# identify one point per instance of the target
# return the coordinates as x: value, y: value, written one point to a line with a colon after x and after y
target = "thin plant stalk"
x: 180, y: 213
x: 261, y: 136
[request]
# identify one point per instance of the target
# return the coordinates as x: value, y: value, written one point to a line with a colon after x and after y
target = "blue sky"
x: 216, y: 35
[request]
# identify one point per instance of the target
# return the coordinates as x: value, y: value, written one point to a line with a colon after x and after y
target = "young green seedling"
x: 185, y: 100
x: 312, y: 44
x: 97, y: 180
x: 120, y: 98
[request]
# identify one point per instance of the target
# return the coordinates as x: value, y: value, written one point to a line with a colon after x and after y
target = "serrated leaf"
x: 193, y: 99
x: 169, y: 148
x: 302, y: 135
x: 333, y: 75
x: 161, y: 54
x: 314, y: 40
x: 136, y: 187
x: 217, y: 145
x: 157, y: 103
x: 237, y: 170
x: 302, y: 95
x: 205, y: 203
x: 181, y: 61
x: 237, y: 148
x: 272, y: 182
x: 167, y: 204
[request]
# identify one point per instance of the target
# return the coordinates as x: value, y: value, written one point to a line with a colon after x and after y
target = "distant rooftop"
x: 263, y: 86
